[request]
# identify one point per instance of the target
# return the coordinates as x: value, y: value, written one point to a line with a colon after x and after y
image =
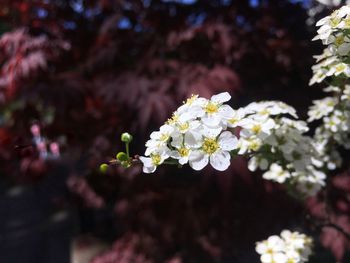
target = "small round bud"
x: 126, y: 137
x: 103, y: 168
x: 126, y: 164
x: 122, y: 157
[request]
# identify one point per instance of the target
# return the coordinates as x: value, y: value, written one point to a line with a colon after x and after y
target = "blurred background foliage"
x: 85, y: 71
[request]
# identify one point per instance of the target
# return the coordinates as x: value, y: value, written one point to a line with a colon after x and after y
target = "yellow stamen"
x: 233, y: 121
x: 256, y: 128
x: 156, y: 159
x: 347, y: 21
x: 334, y: 21
x: 184, y: 151
x: 339, y: 40
x: 210, y: 145
x: 211, y: 108
x: 184, y: 126
x: 190, y: 100
x: 164, y: 137
x: 173, y: 119
x: 254, y: 145
x: 340, y: 68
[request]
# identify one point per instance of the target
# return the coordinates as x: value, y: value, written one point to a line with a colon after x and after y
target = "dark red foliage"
x: 130, y: 64
x: 332, y: 214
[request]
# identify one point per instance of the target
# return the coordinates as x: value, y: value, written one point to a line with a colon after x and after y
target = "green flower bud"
x: 122, y: 157
x: 125, y: 164
x: 103, y: 168
x: 126, y: 137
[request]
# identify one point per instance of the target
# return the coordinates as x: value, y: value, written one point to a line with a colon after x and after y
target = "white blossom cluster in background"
x: 288, y: 155
x: 330, y: 2
x: 334, y: 110
x: 200, y: 132
x: 334, y: 31
x: 328, y: 65
x: 288, y: 247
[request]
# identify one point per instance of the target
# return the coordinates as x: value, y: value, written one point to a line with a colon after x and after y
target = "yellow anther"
x: 210, y: 145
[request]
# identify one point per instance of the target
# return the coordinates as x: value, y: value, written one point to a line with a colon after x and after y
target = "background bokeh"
x: 79, y: 73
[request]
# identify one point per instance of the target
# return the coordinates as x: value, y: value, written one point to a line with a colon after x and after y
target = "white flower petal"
x: 280, y: 258
x: 266, y: 258
x: 148, y: 166
x: 211, y: 132
x: 211, y: 120
x: 193, y: 139
x: 253, y: 164
x: 261, y: 247
x: 191, y: 113
x: 198, y: 160
x: 221, y: 97
x: 220, y: 160
x: 226, y: 111
x: 183, y: 160
x: 177, y: 141
x: 227, y: 141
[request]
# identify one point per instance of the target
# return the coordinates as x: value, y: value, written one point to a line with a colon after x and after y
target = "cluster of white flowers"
x: 334, y: 110
x: 328, y: 65
x: 201, y: 132
x: 334, y: 31
x: 196, y: 134
x: 334, y: 130
x: 281, y: 147
x: 289, y: 247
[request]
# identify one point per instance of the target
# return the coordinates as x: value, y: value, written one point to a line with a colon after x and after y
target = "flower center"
x: 254, y: 145
x: 164, y: 137
x: 211, y: 108
x: 334, y: 21
x: 210, y: 145
x: 347, y: 21
x: 184, y: 151
x: 173, y: 119
x: 233, y: 121
x: 156, y: 159
x: 330, y: 103
x: 339, y: 40
x: 340, y: 68
x: 184, y: 126
x: 264, y: 112
x: 256, y: 128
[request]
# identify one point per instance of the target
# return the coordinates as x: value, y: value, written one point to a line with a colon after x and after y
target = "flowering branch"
x: 269, y: 133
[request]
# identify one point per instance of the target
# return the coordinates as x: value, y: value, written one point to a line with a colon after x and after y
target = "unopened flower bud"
x: 122, y: 157
x: 103, y: 168
x: 126, y: 137
x: 125, y: 164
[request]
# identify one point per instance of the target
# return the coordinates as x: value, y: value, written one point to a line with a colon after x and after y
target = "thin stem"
x: 127, y: 149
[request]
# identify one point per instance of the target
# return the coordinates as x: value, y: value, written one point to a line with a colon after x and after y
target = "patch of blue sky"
x: 124, y: 23
x: 254, y: 3
x: 70, y: 25
x: 77, y: 5
x: 305, y: 3
x: 42, y: 13
x: 196, y: 19
x: 185, y: 2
